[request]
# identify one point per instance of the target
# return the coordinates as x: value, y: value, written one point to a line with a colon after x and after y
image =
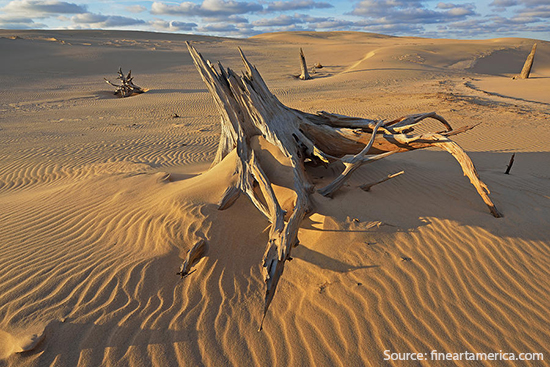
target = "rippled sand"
x: 102, y: 197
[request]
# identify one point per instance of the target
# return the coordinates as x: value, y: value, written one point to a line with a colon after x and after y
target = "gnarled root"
x: 248, y: 109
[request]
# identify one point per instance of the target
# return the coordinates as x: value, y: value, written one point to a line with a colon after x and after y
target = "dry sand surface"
x: 101, y: 198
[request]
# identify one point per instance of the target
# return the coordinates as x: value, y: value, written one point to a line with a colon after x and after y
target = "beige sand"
x: 93, y: 230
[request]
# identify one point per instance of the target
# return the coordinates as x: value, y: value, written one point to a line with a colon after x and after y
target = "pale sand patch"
x: 536, y: 88
x: 101, y: 198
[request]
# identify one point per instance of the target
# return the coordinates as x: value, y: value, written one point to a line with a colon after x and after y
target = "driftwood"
x: 304, y: 75
x: 193, y: 256
x: 366, y: 187
x: 248, y: 109
x: 528, y: 63
x: 128, y: 87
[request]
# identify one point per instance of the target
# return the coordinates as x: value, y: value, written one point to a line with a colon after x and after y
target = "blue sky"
x: 239, y: 18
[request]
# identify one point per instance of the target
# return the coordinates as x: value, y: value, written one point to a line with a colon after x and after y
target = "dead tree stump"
x: 249, y: 110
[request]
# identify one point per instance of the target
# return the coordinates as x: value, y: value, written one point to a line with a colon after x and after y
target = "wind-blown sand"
x: 101, y: 198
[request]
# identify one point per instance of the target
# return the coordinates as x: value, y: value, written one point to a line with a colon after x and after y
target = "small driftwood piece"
x: 318, y: 65
x: 128, y: 87
x: 528, y: 63
x: 304, y: 75
x: 367, y: 187
x: 193, y: 256
x: 249, y: 110
x: 509, y: 167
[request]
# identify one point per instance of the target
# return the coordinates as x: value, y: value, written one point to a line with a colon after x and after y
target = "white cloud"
x: 136, y: 8
x: 410, y: 11
x: 539, y: 11
x: 334, y: 24
x: 297, y: 5
x: 206, y: 8
x: 172, y: 26
x: 281, y: 20
x: 300, y: 20
x: 18, y: 22
x: 93, y: 20
x: 407, y: 17
x: 34, y: 7
x: 217, y: 28
x: 460, y: 12
x: 228, y: 30
x: 227, y: 19
x: 504, y: 3
x: 442, y: 18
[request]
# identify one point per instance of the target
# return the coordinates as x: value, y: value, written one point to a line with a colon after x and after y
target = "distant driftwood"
x: 248, y: 109
x: 528, y: 63
x: 128, y: 87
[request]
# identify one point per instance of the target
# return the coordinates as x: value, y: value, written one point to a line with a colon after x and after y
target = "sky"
x: 480, y: 19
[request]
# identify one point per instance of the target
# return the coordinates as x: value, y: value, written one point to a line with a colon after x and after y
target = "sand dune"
x: 102, y: 197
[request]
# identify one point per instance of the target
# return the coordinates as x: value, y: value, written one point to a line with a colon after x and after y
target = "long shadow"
x: 399, y: 206
x: 325, y: 262
x: 168, y: 91
x: 406, y: 203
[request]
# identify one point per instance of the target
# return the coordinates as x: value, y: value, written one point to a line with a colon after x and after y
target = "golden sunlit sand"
x: 101, y: 197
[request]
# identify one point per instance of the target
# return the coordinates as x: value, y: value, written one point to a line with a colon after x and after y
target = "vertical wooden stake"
x: 305, y: 74
x: 528, y: 63
x: 510, y: 164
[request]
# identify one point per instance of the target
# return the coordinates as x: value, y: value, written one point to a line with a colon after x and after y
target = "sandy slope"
x: 102, y: 197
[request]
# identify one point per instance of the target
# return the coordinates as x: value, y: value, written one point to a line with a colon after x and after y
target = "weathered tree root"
x: 248, y: 109
x: 128, y: 87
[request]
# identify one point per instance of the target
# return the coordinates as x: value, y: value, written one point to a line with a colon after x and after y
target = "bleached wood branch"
x: 367, y: 187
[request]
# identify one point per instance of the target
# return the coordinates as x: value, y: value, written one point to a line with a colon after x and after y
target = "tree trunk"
x: 528, y: 63
x: 248, y: 109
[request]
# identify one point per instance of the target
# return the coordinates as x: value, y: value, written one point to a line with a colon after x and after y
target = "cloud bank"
x: 242, y: 18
